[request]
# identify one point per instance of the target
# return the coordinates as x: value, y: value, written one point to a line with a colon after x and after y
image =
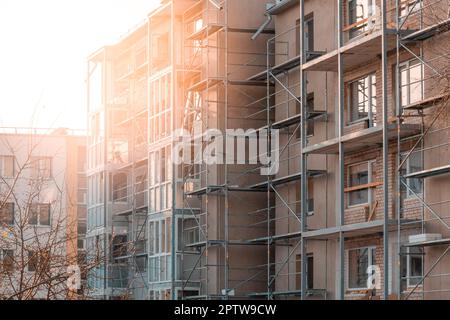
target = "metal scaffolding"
x: 220, y: 97
x: 419, y: 26
x: 235, y: 233
x: 123, y: 118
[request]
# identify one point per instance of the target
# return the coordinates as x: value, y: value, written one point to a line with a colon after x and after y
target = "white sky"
x: 43, y: 49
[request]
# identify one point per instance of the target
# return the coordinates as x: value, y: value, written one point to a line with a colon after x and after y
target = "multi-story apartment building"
x: 356, y: 91
x: 42, y: 212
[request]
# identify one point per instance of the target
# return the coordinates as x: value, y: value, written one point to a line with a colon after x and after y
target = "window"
x: 38, y: 261
x: 159, y: 245
x: 7, y: 166
x: 409, y: 6
x: 81, y: 159
x: 81, y: 212
x: 310, y: 196
x: 39, y: 214
x: 359, y: 175
x: 413, y: 164
x: 412, y: 266
x: 297, y: 37
x: 309, y: 109
x: 81, y: 228
x: 298, y: 203
x: 163, y: 165
x: 81, y: 244
x: 7, y: 214
x: 7, y: 260
x: 160, y: 53
x: 41, y: 167
x: 309, y: 272
x: 411, y: 82
x: 359, y: 261
x: 362, y: 99
x: 119, y: 189
x: 188, y: 233
x: 359, y: 10
x: 119, y: 246
x: 32, y: 261
x: 308, y: 32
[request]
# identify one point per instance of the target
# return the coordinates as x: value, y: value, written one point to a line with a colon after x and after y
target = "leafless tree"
x: 38, y: 238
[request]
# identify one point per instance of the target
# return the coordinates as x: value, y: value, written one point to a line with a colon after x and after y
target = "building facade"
x: 43, y: 212
x: 353, y: 94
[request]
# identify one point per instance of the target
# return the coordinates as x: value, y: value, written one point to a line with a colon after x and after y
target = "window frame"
x: 409, y: 257
x: 160, y: 250
x: 119, y: 187
x: 360, y: 29
x: 32, y: 260
x: 308, y: 41
x: 3, y: 166
x: 370, y: 179
x: 371, y: 97
x: 38, y: 214
x: 36, y: 168
x: 12, y: 221
x: 409, y: 194
x: 310, y: 107
x: 407, y: 65
x: 370, y: 262
x: 309, y: 272
x: 3, y: 256
x: 405, y: 7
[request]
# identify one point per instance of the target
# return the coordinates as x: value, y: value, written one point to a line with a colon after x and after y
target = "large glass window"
x: 120, y: 187
x: 414, y: 163
x: 359, y: 175
x: 362, y: 104
x: 359, y: 261
x: 160, y: 111
x: 358, y: 13
x: 160, y: 248
x: 412, y: 266
x: 411, y: 82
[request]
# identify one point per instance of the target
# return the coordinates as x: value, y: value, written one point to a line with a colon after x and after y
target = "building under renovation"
x: 352, y: 202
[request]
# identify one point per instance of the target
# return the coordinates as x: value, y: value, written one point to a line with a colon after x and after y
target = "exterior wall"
x: 324, y: 85
x: 60, y: 191
x: 212, y: 65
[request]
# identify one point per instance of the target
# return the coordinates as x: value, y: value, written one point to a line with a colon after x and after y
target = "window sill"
x: 356, y: 122
x: 357, y: 206
x: 412, y: 197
